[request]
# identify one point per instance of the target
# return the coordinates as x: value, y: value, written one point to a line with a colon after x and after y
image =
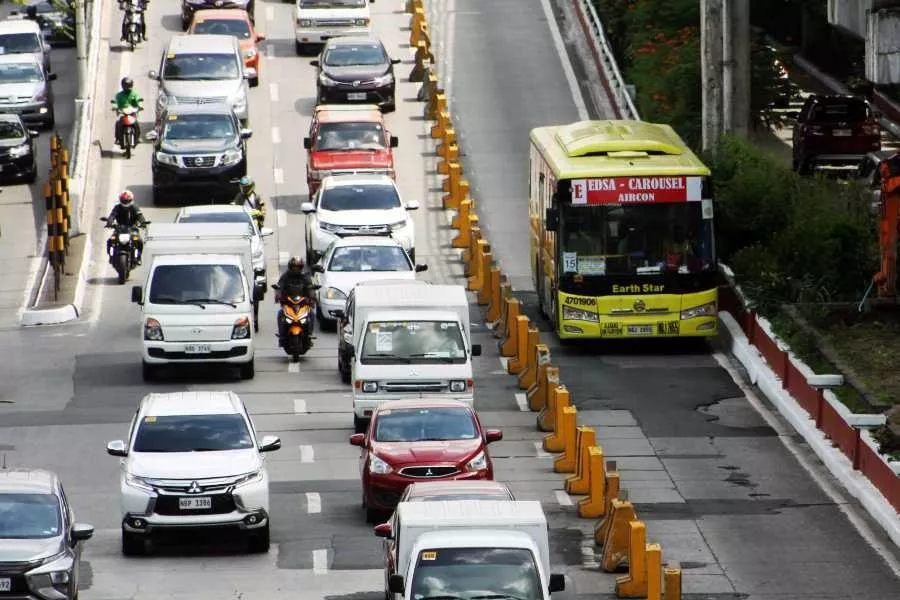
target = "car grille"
x: 414, y: 386
x: 15, y: 99
x: 168, y: 505
x: 197, y: 99
x: 204, y: 162
x: 347, y: 230
x: 428, y: 472
x: 333, y: 23
x: 209, y: 486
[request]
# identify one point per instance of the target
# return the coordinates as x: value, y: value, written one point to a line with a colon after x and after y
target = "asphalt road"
x: 717, y: 486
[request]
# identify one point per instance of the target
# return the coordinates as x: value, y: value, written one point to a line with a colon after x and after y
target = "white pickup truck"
x: 470, y: 549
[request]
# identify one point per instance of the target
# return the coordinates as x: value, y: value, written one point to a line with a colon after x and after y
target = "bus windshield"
x: 635, y: 239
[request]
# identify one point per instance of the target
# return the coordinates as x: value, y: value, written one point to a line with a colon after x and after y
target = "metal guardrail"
x: 622, y: 98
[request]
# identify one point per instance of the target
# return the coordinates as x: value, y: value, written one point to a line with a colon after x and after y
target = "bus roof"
x: 608, y: 148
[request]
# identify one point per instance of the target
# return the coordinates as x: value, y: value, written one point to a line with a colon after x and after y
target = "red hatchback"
x: 420, y: 440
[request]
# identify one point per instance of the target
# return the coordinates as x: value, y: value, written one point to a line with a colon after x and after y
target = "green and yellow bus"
x: 622, y: 238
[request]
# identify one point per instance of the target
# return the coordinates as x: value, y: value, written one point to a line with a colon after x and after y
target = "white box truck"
x: 198, y: 301
x: 410, y: 341
x: 468, y: 549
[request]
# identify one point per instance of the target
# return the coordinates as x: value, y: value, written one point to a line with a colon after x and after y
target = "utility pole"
x: 711, y: 59
x: 736, y: 67
x: 81, y: 45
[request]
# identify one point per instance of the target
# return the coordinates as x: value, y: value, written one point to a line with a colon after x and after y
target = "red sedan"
x: 420, y: 440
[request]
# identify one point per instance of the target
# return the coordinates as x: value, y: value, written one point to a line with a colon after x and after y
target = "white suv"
x: 193, y: 460
x: 346, y: 205
x: 317, y: 21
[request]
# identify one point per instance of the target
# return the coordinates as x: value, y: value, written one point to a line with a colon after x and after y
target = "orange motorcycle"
x: 295, y: 324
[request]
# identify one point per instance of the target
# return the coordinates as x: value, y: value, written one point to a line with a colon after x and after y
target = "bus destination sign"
x: 636, y: 190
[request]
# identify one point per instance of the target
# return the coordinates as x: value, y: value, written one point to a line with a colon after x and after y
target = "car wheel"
x: 359, y: 425
x: 258, y: 541
x: 157, y: 196
x: 299, y: 48
x: 390, y: 107
x: 248, y: 370
x: 148, y: 371
x: 185, y: 23
x: 133, y: 544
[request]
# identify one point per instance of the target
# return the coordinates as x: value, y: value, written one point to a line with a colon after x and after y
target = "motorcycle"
x: 122, y: 249
x: 128, y: 120
x: 133, y: 28
x: 294, y: 324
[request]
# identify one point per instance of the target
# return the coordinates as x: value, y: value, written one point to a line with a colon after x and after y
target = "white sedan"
x: 350, y: 260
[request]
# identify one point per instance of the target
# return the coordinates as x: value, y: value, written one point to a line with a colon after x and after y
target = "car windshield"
x: 425, y: 424
x: 198, y: 127
x: 369, y: 258
x: 29, y: 516
x: 196, y: 284
x: 10, y: 130
x: 192, y: 433
x: 347, y: 55
x: 234, y: 27
x: 471, y: 573
x: 19, y: 43
x: 201, y: 66
x: 359, y: 197
x: 363, y: 135
x: 408, y: 341
x: 837, y: 112
x: 20, y: 73
x: 333, y: 3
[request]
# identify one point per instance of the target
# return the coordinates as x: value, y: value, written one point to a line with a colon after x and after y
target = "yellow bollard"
x: 517, y: 363
x: 500, y: 325
x: 567, y: 428
x: 553, y: 442
x: 450, y: 156
x: 447, y: 139
x: 634, y: 584
x: 462, y: 193
x: 654, y: 571
x: 495, y: 306
x: 601, y: 529
x: 443, y: 124
x: 452, y: 199
x: 430, y: 94
x: 672, y: 583
x: 476, y: 279
x: 546, y: 420
x: 422, y: 58
x: 462, y: 238
x: 510, y: 341
x: 416, y: 25
x: 480, y: 279
x: 580, y: 482
x: 474, y: 236
x: 615, y: 545
x: 529, y: 374
x: 412, y: 5
x: 537, y: 394
x: 595, y: 504
x: 491, y: 285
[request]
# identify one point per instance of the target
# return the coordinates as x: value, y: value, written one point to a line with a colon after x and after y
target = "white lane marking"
x: 563, y: 498
x: 498, y: 372
x: 278, y: 175
x: 276, y: 135
x: 293, y: 367
x: 273, y: 92
x: 270, y: 51
x: 282, y: 217
x: 270, y: 13
x: 539, y: 448
x: 299, y: 406
x: 313, y: 503
x: 564, y: 59
x: 283, y: 258
x: 320, y: 562
x: 830, y: 489
x: 522, y: 401
x: 504, y: 362
x: 306, y: 454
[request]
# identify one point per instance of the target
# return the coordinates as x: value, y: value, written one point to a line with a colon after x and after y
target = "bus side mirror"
x: 557, y: 583
x: 395, y: 584
x: 552, y: 219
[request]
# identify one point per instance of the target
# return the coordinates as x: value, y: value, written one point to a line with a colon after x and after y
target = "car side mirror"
x: 395, y: 141
x: 116, y: 448
x: 493, y: 435
x: 314, y: 63
x: 152, y: 135
x: 317, y: 268
x: 395, y: 61
x: 358, y: 439
x: 412, y: 205
x: 137, y: 294
x: 557, y: 582
x: 81, y: 532
x: 260, y: 37
x: 476, y: 349
x: 308, y: 207
x: 266, y: 232
x: 104, y: 219
x: 270, y: 443
x: 421, y: 268
x: 384, y: 531
x: 153, y: 75
x: 551, y: 217
x: 246, y: 134
x: 34, y: 133
x: 307, y: 143
x: 395, y: 584
x: 51, y: 76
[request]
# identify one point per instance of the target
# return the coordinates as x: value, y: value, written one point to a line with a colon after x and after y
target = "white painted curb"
x: 839, y: 465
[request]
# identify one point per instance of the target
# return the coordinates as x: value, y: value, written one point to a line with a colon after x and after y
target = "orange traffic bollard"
x: 500, y: 325
x: 469, y: 251
x: 443, y: 124
x: 594, y: 505
x: 615, y: 544
x: 537, y: 394
x: 417, y: 24
x: 580, y: 482
x: 601, y: 529
x: 654, y: 571
x: 452, y: 198
x: 436, y: 103
x: 553, y: 442
x: 509, y: 340
x: 540, y: 358
x: 546, y: 420
x: 529, y: 374
x: 422, y: 59
x: 567, y: 428
x: 672, y: 582
x: 451, y: 158
x: 492, y: 284
x: 634, y: 584
x: 462, y: 239
x: 517, y: 363
x: 476, y: 279
x: 412, y: 5
x: 492, y: 314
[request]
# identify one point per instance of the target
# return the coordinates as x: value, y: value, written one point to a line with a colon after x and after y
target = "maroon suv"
x: 834, y: 130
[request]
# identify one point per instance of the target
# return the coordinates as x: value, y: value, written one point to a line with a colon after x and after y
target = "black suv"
x: 198, y: 147
x: 834, y: 130
x: 356, y: 69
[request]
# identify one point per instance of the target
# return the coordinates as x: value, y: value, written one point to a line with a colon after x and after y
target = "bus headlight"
x: 704, y: 310
x: 576, y: 314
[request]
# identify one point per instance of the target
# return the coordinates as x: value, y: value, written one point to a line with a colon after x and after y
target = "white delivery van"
x: 410, y: 341
x: 317, y: 21
x: 469, y: 548
x: 197, y: 304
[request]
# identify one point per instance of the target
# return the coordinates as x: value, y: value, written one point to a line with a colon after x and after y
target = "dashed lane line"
x: 299, y: 406
x: 273, y: 92
x: 320, y: 562
x: 278, y: 175
x: 307, y: 454
x: 270, y: 13
x: 282, y: 217
x: 563, y: 498
x: 313, y: 503
x: 276, y: 135
x: 293, y: 367
x: 539, y: 448
x: 522, y: 401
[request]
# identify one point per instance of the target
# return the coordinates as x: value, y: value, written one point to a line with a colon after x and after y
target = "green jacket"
x: 130, y: 98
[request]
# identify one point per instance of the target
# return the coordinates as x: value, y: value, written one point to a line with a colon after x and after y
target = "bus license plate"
x: 198, y: 503
x: 356, y: 96
x: 841, y: 132
x: 5, y: 584
x: 197, y: 349
x: 640, y: 329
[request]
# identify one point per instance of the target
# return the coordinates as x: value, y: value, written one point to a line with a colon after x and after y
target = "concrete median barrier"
x: 412, y: 5
x: 537, y: 353
x: 429, y: 93
x: 525, y: 334
x: 439, y: 129
x: 553, y: 441
x: 579, y: 483
x: 634, y: 584
x: 595, y: 504
x: 448, y: 153
x: 547, y: 375
x: 422, y: 60
x: 476, y: 278
x: 417, y: 28
x: 613, y: 483
x: 474, y: 234
x: 500, y: 325
x: 567, y: 430
x: 526, y: 376
x: 491, y: 285
x: 672, y: 582
x: 547, y: 417
x: 453, y: 198
x: 463, y: 239
x: 508, y: 340
x: 615, y: 543
x: 498, y: 288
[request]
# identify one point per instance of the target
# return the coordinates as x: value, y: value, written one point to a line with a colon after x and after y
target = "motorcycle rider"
x: 295, y: 281
x: 247, y: 196
x: 133, y: 7
x: 124, y: 98
x: 127, y: 214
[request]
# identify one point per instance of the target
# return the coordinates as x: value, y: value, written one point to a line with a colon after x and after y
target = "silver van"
x: 24, y: 36
x: 203, y: 69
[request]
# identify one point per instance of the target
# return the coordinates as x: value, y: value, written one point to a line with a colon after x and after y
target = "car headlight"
x: 138, y: 482
x: 326, y: 80
x: 319, y: 174
x: 167, y: 159
x: 479, y: 463
x: 385, y: 79
x: 19, y: 151
x: 370, y: 387
x: 196, y: 1
x: 458, y: 386
x: 378, y: 466
x: 250, y: 53
x: 162, y: 100
x: 576, y: 314
x: 704, y: 310
x: 239, y: 102
x: 398, y: 225
x: 249, y: 478
x: 329, y: 227
x: 333, y: 293
x: 361, y: 22
x: 304, y: 23
x: 232, y: 157
x: 52, y: 579
x: 241, y: 329
x: 153, y: 330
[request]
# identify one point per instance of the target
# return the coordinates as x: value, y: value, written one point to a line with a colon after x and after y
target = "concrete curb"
x: 760, y: 375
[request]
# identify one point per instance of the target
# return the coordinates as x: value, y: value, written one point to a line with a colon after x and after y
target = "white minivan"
x: 317, y: 21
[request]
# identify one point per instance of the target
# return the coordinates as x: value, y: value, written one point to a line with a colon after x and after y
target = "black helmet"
x: 295, y: 264
x: 127, y: 84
